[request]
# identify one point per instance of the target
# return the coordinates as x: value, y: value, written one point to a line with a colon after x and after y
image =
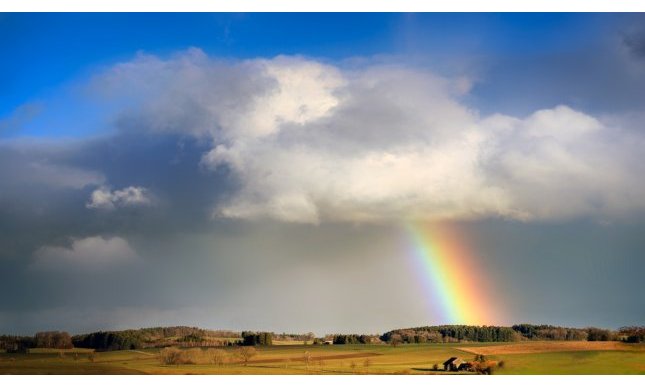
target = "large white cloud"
x: 310, y: 142
x: 93, y: 252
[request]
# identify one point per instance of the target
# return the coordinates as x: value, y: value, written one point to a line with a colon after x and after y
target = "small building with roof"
x: 452, y: 364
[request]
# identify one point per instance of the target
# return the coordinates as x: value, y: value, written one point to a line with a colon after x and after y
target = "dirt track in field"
x: 553, y: 346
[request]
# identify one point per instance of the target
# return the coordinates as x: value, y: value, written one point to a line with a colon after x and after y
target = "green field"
x: 338, y: 359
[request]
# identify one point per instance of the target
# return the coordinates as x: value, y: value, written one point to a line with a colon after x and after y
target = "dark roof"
x: 451, y: 360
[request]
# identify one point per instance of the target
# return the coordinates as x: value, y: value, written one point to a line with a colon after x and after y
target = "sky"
x: 321, y: 172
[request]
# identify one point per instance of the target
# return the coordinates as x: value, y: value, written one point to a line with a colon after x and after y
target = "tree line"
x: 51, y: 339
x: 449, y: 333
x: 304, y: 337
x: 195, y: 337
x: 518, y: 332
x: 550, y: 332
x: 353, y: 339
x: 155, y: 337
x: 632, y: 334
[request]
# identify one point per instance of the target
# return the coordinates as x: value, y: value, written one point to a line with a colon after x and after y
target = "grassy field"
x: 519, y: 358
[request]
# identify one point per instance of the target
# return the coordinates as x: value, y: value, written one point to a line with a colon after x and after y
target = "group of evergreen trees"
x: 550, y: 332
x: 110, y: 341
x: 456, y: 333
x: 353, y: 339
x: 449, y: 333
x: 257, y: 338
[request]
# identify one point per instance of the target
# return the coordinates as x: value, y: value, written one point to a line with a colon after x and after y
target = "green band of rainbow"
x: 451, y: 277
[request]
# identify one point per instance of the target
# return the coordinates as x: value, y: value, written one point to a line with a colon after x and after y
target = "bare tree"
x: 306, y: 357
x: 245, y: 354
x: 217, y: 356
x: 395, y: 339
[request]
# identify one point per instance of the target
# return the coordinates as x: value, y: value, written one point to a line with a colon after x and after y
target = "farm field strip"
x: 584, y: 358
x: 317, y: 358
x: 549, y: 346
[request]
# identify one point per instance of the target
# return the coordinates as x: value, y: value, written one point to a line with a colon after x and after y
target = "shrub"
x: 480, y: 358
x: 486, y: 367
x: 245, y: 354
x: 174, y: 356
x: 217, y: 356
x: 194, y: 356
x: 170, y: 356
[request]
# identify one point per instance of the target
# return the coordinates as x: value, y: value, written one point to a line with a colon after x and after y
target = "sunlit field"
x: 521, y: 358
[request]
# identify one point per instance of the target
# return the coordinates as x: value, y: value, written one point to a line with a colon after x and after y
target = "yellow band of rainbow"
x: 452, y: 277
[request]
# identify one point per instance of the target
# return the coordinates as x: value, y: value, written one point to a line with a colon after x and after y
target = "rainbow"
x: 451, y: 276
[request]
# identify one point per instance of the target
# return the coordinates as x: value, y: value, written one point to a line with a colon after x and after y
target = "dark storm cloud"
x: 44, y: 191
x: 45, y: 184
x: 168, y: 166
x: 52, y: 243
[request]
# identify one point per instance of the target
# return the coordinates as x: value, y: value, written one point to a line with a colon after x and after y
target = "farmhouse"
x: 452, y: 364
